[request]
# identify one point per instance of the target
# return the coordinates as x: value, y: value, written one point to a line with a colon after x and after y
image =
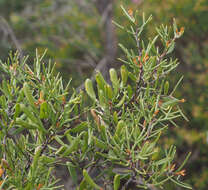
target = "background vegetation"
x: 80, y: 37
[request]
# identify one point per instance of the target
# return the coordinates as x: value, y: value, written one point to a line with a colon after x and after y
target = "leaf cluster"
x: 110, y: 144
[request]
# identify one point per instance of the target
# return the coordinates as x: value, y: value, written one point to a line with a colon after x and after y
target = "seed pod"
x: 89, y: 89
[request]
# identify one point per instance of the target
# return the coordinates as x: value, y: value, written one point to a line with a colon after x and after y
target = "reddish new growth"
x: 180, y: 32
x: 182, y: 173
x: 146, y: 57
x: 168, y: 43
x: 39, y: 186
x: 182, y: 100
x: 40, y: 100
x: 130, y: 12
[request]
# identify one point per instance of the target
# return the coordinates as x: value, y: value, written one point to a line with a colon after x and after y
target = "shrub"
x: 112, y: 143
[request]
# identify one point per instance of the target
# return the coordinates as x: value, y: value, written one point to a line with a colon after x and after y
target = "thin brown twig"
x: 99, y: 67
x: 10, y: 32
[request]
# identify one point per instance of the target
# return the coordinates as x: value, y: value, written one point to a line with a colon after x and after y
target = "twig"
x: 105, y: 14
x: 12, y: 35
x: 99, y: 67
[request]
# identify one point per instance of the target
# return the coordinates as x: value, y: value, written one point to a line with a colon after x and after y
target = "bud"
x: 130, y: 12
x: 155, y: 113
x: 39, y: 186
x: 181, y: 31
x: 182, y: 173
x: 182, y: 100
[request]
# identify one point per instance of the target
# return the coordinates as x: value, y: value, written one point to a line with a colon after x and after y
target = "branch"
x: 10, y: 32
x: 99, y: 67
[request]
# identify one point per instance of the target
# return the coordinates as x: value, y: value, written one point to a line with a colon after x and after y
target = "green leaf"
x: 72, y: 171
x: 61, y: 150
x: 179, y: 183
x: 109, y: 91
x: 73, y: 146
x: 127, y: 15
x: 28, y: 94
x: 176, y: 86
x: 122, y: 101
x: 25, y: 124
x: 115, y: 117
x: 44, y: 110
x: 90, y: 181
x: 101, y: 98
x: 171, y: 48
x: 34, y: 165
x: 169, y: 102
x: 79, y: 128
x: 17, y: 110
x: 119, y: 128
x: 100, y: 80
x: 114, y: 80
x: 124, y: 75
x: 83, y: 185
x: 116, y: 182
x: 166, y: 88
x: 89, y: 89
x: 4, y: 181
x: 33, y: 118
x: 100, y: 143
x: 184, y: 162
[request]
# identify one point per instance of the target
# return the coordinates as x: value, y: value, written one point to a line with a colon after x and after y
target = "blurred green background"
x: 80, y: 38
